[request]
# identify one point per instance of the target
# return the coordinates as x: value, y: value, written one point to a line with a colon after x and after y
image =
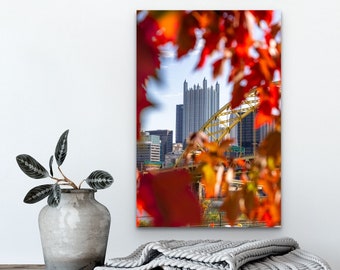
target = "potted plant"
x: 74, y: 227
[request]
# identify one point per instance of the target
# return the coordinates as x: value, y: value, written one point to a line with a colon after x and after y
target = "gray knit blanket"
x: 282, y: 253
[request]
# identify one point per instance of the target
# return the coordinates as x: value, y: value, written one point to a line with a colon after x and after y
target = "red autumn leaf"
x: 267, y: 64
x: 169, y: 23
x: 211, y: 43
x: 147, y: 50
x: 271, y: 145
x: 147, y: 63
x: 218, y: 67
x: 250, y: 200
x: 142, y: 103
x: 231, y: 207
x: 269, y: 101
x: 243, y: 36
x: 267, y: 218
x: 276, y: 212
x: 270, y: 214
x: 210, y: 22
x: 186, y: 39
x: 146, y: 200
x: 169, y: 199
x: 240, y: 92
x: 237, y: 70
x: 235, y: 28
x: 262, y: 118
x: 204, y: 54
x: 263, y: 115
x: 250, y: 81
x: 237, y: 95
x: 275, y: 96
x: 265, y: 70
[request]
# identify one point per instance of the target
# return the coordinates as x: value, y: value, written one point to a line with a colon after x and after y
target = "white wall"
x: 71, y: 64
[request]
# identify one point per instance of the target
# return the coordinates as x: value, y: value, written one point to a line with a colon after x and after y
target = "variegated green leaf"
x: 38, y: 193
x: 50, y: 163
x: 61, y: 148
x: 99, y: 180
x: 54, y: 198
x: 31, y: 167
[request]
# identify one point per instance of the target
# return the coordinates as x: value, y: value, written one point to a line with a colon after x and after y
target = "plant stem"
x: 71, y: 183
x: 81, y: 183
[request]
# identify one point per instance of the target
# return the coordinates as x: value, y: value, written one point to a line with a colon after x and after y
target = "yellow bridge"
x: 219, y: 126
x: 223, y: 121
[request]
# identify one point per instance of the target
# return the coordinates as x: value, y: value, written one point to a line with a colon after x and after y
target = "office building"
x: 199, y: 104
x: 148, y: 150
x: 247, y: 136
x: 166, y: 140
x: 179, y: 123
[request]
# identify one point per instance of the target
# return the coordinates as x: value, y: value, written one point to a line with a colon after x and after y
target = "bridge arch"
x: 225, y: 119
x: 220, y: 124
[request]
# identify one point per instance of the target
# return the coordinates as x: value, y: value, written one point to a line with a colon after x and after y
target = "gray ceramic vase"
x: 74, y: 234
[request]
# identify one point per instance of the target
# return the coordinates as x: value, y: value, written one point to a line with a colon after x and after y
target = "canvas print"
x: 208, y: 140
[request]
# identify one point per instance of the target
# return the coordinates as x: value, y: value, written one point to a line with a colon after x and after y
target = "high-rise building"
x: 199, y: 104
x: 179, y: 123
x: 247, y: 136
x: 166, y: 140
x: 148, y: 149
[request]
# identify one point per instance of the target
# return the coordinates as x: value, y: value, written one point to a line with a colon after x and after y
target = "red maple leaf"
x: 169, y: 199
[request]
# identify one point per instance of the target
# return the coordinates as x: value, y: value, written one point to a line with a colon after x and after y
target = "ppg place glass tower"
x: 199, y: 104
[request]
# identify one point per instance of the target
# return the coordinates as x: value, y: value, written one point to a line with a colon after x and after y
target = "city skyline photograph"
x: 209, y: 81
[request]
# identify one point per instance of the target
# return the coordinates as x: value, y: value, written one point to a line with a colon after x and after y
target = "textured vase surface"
x: 74, y: 234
